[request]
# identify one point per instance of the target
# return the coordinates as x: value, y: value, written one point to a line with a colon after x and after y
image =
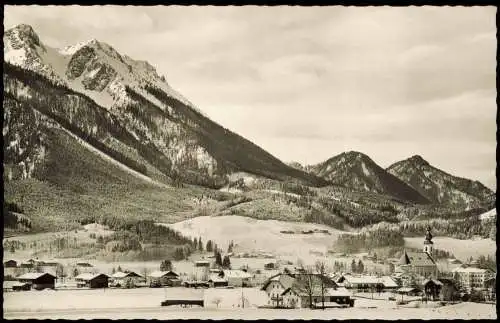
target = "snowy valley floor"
x: 145, y: 303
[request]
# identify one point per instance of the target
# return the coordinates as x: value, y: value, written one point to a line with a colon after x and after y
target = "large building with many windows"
x: 469, y: 278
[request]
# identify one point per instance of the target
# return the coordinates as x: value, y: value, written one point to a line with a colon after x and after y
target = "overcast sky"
x: 307, y: 83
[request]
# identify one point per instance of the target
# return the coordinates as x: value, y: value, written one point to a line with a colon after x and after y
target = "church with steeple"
x: 420, y: 264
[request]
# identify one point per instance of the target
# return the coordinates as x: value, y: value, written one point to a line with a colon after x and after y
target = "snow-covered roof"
x: 337, y: 292
x: 406, y: 289
x: 33, y: 275
x: 236, y: 274
x: 436, y: 282
x: 469, y: 270
x: 362, y: 279
x: 158, y: 274
x: 416, y: 259
x: 10, y: 284
x: 216, y: 278
x: 365, y: 279
x: 88, y: 276
x: 285, y: 280
x: 388, y: 281
x: 215, y: 270
x: 120, y: 274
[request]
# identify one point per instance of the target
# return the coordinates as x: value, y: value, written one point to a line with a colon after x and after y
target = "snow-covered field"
x: 126, y: 298
x: 251, y: 234
x: 462, y: 249
x: 145, y: 303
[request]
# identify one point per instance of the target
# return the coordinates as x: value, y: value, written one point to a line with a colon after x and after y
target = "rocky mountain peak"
x: 25, y: 33
x: 354, y: 158
x: 354, y: 153
x: 418, y: 160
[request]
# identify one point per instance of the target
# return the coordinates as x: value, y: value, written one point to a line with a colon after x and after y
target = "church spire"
x: 428, y: 235
x: 428, y: 244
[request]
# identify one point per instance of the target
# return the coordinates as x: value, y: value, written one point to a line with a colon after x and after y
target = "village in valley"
x: 218, y: 279
x: 249, y: 162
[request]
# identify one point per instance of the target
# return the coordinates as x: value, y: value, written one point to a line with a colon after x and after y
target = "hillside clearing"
x: 252, y: 235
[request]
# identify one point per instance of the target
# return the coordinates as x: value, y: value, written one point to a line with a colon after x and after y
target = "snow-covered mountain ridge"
x: 91, y: 67
x: 128, y: 110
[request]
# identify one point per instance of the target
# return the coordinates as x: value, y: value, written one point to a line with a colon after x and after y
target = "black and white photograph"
x: 249, y: 162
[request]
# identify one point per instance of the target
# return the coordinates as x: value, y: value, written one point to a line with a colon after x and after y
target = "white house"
x: 275, y: 286
x: 297, y: 297
x: 366, y: 282
x: 289, y: 290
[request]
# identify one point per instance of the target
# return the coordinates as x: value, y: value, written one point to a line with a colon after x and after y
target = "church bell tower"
x: 428, y: 244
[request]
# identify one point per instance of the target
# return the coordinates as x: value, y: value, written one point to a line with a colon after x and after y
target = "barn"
x: 92, y: 280
x: 10, y: 264
x: 38, y: 280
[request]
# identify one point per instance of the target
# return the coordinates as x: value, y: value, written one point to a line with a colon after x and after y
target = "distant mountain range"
x: 438, y: 186
x: 359, y: 172
x: 93, y: 122
x: 412, y: 179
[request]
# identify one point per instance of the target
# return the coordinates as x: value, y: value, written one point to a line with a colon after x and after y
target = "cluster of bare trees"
x: 314, y: 279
